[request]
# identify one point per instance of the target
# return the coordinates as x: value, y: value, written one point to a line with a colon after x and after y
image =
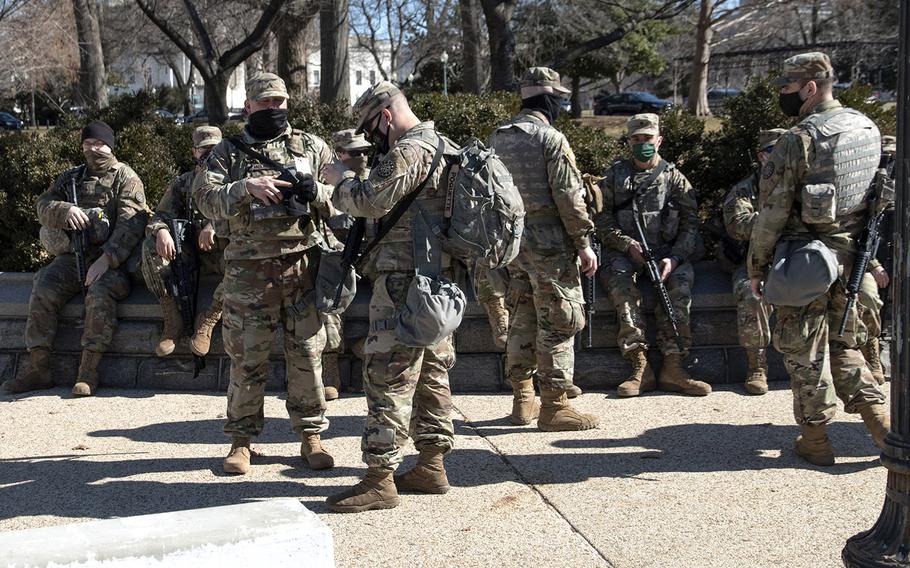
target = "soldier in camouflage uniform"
x: 838, y: 147
x: 545, y: 287
x: 407, y: 388
x: 113, y: 196
x: 752, y: 314
x: 669, y: 217
x: 158, y: 251
x: 268, y: 268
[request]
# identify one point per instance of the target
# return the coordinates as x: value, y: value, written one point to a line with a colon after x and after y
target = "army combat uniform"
x: 837, y: 146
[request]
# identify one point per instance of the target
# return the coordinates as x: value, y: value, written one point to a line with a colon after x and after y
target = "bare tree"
x: 498, y: 14
x: 292, y: 34
x: 382, y: 28
x: 470, y: 40
x: 335, y: 83
x: 9, y: 7
x: 92, y: 78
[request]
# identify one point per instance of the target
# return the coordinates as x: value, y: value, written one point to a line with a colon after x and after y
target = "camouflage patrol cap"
x: 645, y: 123
x: 265, y: 85
x: 769, y: 138
x: 204, y: 136
x: 805, y: 67
x: 539, y: 80
x: 889, y: 144
x: 348, y: 140
x: 376, y: 98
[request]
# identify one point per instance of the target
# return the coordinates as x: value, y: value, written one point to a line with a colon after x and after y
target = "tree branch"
x: 253, y: 42
x: 175, y: 37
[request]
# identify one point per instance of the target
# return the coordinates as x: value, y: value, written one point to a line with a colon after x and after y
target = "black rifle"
x: 590, y: 293
x: 870, y: 241
x: 183, y: 284
x: 78, y: 239
x: 654, y: 273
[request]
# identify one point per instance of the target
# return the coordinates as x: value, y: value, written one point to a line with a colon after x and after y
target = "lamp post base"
x: 887, y: 543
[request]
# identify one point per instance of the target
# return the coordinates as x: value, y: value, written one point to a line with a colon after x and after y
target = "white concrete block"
x: 277, y: 533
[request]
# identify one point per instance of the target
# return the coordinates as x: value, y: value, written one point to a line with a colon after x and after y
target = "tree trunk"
x: 470, y: 39
x: 92, y: 87
x: 576, y: 96
x: 698, y: 78
x: 498, y: 15
x: 216, y: 96
x: 334, y: 84
x: 291, y: 33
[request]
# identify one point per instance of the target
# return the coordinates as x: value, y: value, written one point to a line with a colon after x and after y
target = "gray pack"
x: 335, y: 284
x: 802, y: 271
x: 433, y: 311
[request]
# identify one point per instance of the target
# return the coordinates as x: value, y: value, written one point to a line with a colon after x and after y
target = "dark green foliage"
x: 883, y: 114
x: 594, y: 149
x: 462, y: 116
x: 320, y: 119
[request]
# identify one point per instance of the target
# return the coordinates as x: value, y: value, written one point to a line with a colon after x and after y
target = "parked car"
x: 717, y: 98
x: 632, y: 102
x: 10, y: 122
x: 166, y: 114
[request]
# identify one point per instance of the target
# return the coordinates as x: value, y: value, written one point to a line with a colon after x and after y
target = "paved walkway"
x: 666, y: 481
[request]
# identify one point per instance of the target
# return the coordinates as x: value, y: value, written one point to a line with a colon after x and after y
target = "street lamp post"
x: 887, y: 543
x: 445, y: 73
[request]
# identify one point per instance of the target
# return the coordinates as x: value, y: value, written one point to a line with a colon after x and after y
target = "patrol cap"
x: 805, y: 67
x: 539, y: 80
x: 769, y: 138
x: 645, y: 123
x: 204, y: 136
x: 348, y: 140
x: 373, y: 100
x: 889, y: 144
x: 265, y: 85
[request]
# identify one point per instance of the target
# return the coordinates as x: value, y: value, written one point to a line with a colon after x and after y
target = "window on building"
x: 359, y: 77
x: 372, y: 77
x: 316, y: 77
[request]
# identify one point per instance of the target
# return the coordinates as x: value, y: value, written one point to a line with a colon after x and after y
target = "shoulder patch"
x: 767, y: 170
x: 385, y: 169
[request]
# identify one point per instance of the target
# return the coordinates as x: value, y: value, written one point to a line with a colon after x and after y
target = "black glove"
x: 305, y: 188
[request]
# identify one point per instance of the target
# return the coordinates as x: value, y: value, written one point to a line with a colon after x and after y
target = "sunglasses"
x: 353, y: 153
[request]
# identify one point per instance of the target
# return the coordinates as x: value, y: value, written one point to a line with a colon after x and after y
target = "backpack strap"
x: 659, y: 169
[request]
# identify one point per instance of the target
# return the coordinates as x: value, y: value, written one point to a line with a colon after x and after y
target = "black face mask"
x: 269, y: 123
x: 379, y: 140
x: 790, y: 103
x: 548, y: 104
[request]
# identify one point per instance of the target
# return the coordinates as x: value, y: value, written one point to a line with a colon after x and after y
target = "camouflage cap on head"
x: 538, y: 80
x: 645, y: 123
x: 889, y: 144
x: 376, y: 98
x: 769, y: 138
x: 265, y: 85
x: 805, y: 67
x: 204, y: 136
x: 349, y: 140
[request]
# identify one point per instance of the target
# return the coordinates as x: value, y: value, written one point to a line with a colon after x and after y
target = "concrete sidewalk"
x: 666, y: 481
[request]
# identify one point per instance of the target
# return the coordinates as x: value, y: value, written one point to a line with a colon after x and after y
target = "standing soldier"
x: 407, y: 388
x: 268, y: 267
x: 111, y: 213
x: 830, y: 155
x: 752, y: 313
x: 158, y: 250
x: 660, y: 196
x: 545, y: 288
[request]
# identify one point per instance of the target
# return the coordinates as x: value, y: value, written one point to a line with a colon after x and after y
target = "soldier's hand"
x: 97, y: 269
x: 164, y: 245
x: 635, y: 252
x: 667, y: 266
x: 76, y: 219
x: 266, y: 189
x: 207, y: 238
x: 334, y: 172
x: 588, y: 261
x: 756, y: 288
x: 881, y: 276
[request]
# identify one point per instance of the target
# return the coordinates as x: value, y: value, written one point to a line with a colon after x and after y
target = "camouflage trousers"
x: 753, y: 316
x: 58, y: 283
x: 619, y: 276
x: 547, y: 310
x: 407, y: 388
x: 870, y: 303
x: 334, y: 333
x: 156, y: 270
x: 820, y: 364
x: 259, y: 299
x: 490, y: 284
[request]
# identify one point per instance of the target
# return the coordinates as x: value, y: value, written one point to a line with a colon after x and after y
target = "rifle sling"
x: 246, y: 149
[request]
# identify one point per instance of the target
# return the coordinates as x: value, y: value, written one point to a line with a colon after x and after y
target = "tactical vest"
x: 659, y: 212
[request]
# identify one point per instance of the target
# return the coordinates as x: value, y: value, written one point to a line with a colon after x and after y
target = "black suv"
x: 10, y: 122
x: 632, y: 102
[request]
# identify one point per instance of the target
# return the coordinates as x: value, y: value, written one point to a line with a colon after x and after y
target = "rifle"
x: 590, y: 293
x: 78, y: 239
x: 183, y: 284
x: 654, y: 274
x: 870, y: 241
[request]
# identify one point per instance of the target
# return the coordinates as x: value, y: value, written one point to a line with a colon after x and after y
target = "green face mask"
x: 644, y: 152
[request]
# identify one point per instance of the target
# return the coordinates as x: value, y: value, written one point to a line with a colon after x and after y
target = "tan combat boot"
x: 87, y: 381
x: 557, y: 415
x: 642, y: 377
x: 524, y: 402
x: 376, y: 491
x: 315, y: 455
x: 238, y: 459
x: 757, y: 379
x: 674, y: 378
x: 428, y: 476
x: 173, y: 327
x: 573, y: 391
x: 331, y: 375
x: 875, y: 417
x: 499, y: 320
x: 33, y: 376
x: 205, y: 325
x: 814, y: 446
x: 872, y: 352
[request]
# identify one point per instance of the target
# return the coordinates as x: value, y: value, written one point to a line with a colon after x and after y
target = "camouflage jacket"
x: 783, y: 179
x: 669, y: 213
x: 220, y: 194
x: 543, y: 169
x: 741, y: 208
x: 399, y: 173
x: 177, y: 203
x: 118, y: 192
